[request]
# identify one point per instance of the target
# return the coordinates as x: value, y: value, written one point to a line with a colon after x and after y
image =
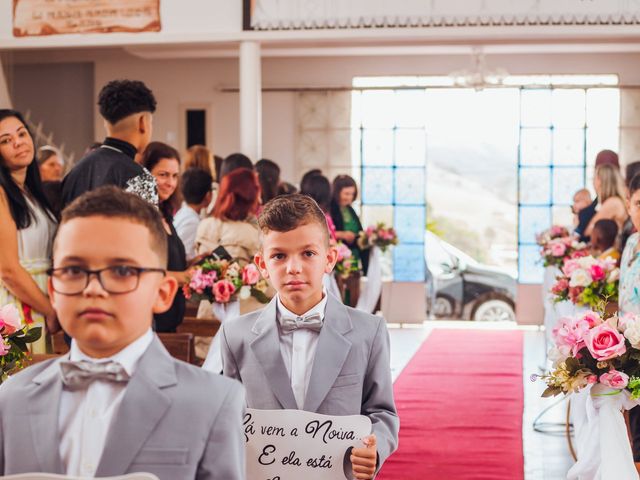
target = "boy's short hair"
x: 120, y: 98
x: 608, y: 231
x: 112, y: 202
x: 195, y: 184
x: 288, y: 212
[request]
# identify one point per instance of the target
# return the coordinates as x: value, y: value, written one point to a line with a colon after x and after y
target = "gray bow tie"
x: 311, y: 322
x: 78, y: 375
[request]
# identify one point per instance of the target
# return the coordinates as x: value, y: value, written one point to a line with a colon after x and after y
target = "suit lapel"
x: 144, y: 404
x: 266, y: 348
x: 43, y: 405
x: 331, y: 353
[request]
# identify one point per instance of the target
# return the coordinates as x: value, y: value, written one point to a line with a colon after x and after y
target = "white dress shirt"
x: 186, y: 223
x: 299, y: 349
x: 85, y: 415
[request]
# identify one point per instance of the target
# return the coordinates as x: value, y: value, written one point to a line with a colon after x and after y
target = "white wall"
x: 198, y: 80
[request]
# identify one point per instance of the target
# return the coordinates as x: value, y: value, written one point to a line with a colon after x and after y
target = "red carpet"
x: 460, y: 401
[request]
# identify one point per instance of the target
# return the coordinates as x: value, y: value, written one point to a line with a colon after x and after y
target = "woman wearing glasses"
x: 27, y: 227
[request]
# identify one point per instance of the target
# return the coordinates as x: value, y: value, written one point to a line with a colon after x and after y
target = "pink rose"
x: 343, y: 251
x: 4, y: 347
x: 560, y: 286
x: 558, y: 249
x: 250, y: 274
x: 605, y: 342
x: 574, y: 293
x: 580, y: 253
x: 570, y: 266
x: 591, y: 379
x: 10, y: 319
x: 223, y: 291
x: 614, y: 379
x: 592, y: 318
x: 597, y: 273
x: 570, y: 332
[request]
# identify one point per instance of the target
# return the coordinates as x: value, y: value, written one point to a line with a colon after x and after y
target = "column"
x: 250, y: 100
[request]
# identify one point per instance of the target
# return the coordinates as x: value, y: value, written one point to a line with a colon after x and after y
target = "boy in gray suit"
x: 306, y: 350
x: 118, y: 403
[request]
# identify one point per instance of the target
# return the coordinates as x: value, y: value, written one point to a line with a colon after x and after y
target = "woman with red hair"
x: 233, y: 223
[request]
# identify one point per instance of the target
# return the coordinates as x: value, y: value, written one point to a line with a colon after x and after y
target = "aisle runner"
x: 460, y: 401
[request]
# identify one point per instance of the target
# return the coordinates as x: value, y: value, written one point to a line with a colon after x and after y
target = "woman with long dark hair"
x: 28, y: 224
x: 269, y: 178
x: 345, y: 218
x: 163, y: 161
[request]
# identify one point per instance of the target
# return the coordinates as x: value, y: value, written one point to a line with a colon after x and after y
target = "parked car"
x: 463, y: 288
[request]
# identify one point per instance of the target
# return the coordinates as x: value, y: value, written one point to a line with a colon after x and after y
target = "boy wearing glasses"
x: 118, y: 403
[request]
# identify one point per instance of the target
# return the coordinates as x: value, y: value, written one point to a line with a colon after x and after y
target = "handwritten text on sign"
x: 49, y: 17
x: 294, y: 444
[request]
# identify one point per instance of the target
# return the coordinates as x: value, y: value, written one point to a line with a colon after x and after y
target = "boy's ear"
x: 50, y: 291
x: 332, y: 258
x: 258, y: 259
x: 166, y: 291
x: 142, y: 123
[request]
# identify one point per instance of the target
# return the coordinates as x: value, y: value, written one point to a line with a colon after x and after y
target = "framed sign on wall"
x: 53, y: 17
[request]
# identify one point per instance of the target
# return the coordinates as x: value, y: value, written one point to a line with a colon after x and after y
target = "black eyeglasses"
x: 117, y: 279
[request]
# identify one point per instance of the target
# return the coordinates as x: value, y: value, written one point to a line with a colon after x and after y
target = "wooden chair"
x: 191, y: 309
x: 199, y: 327
x: 180, y: 346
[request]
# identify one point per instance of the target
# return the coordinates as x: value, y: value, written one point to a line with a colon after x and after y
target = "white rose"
x: 632, y: 333
x: 614, y: 276
x: 245, y: 292
x: 580, y: 278
x: 586, y: 262
x: 558, y: 355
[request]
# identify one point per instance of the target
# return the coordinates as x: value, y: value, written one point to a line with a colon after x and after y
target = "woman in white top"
x: 610, y: 189
x: 27, y: 228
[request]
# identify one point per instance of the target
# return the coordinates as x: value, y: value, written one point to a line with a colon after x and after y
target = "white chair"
x: 53, y: 476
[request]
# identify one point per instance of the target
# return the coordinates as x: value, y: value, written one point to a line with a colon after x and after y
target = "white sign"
x: 294, y: 444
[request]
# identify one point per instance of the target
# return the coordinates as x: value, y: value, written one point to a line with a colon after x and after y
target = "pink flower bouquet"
x: 346, y: 264
x: 378, y: 235
x: 551, y: 233
x: 14, y: 337
x: 555, y: 251
x: 590, y: 349
x: 221, y: 281
x: 587, y: 281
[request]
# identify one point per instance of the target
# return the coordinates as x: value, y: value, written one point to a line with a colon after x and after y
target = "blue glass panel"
x: 410, y: 223
x: 377, y: 185
x: 530, y: 269
x: 566, y: 182
x: 411, y: 147
x: 377, y: 147
x: 535, y: 186
x: 408, y: 263
x: 535, y: 108
x: 535, y: 146
x: 410, y: 186
x: 532, y: 220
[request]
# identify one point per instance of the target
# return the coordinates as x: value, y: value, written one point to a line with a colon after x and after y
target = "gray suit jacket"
x: 350, y: 375
x: 175, y: 420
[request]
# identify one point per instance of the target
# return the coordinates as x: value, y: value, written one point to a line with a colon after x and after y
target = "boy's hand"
x: 363, y: 460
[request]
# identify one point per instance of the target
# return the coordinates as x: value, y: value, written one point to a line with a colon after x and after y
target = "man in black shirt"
x: 127, y: 107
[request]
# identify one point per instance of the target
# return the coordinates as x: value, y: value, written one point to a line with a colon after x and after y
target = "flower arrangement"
x: 378, y: 236
x: 555, y: 251
x: 222, y: 281
x: 14, y: 337
x: 551, y: 233
x: 590, y: 349
x: 346, y: 264
x: 587, y: 281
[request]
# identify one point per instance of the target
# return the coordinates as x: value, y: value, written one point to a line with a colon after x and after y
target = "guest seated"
x: 583, y: 210
x: 233, y: 223
x: 631, y: 170
x: 234, y: 162
x: 163, y: 162
x: 269, y: 178
x: 318, y: 187
x: 195, y: 185
x: 119, y: 403
x: 50, y: 164
x: 603, y: 239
